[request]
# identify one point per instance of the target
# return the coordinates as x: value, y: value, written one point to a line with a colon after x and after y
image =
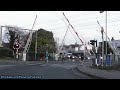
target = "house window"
x: 76, y: 48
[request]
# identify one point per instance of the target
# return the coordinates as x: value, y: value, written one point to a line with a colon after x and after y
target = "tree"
x: 43, y: 37
x: 15, y: 32
x: 12, y: 39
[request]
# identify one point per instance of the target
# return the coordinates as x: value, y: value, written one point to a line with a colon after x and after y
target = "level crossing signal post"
x: 16, y: 47
x: 94, y: 44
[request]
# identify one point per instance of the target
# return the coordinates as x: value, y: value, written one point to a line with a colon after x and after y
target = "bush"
x: 31, y: 56
x: 6, y: 52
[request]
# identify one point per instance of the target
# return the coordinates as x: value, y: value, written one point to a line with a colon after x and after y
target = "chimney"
x: 112, y: 39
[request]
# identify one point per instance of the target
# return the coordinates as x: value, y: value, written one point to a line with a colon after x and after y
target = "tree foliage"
x: 15, y: 32
x: 43, y: 37
x: 5, y: 52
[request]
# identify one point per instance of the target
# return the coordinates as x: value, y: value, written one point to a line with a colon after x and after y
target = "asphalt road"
x: 50, y: 70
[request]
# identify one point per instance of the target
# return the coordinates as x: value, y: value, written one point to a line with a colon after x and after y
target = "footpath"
x: 89, y: 70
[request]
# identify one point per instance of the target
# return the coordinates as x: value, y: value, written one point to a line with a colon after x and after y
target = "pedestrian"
x: 62, y: 57
x: 46, y: 56
x: 82, y: 58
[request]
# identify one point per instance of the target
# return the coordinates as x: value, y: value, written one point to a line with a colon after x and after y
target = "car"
x: 88, y: 58
x: 74, y: 57
x: 79, y: 57
x: 69, y: 55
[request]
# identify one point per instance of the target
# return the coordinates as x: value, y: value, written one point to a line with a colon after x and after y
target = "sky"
x: 84, y: 23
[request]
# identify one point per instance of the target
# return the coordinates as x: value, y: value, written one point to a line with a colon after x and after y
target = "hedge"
x: 6, y: 52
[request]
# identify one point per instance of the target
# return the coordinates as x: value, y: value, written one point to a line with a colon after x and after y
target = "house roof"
x: 74, y: 45
x: 66, y: 46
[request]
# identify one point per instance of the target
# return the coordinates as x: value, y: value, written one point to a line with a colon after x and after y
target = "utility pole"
x: 36, y: 47
x: 106, y: 32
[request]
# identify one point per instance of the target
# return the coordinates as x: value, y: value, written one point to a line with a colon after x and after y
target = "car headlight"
x: 88, y: 57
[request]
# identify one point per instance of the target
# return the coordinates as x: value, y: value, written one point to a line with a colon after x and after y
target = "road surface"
x: 50, y: 70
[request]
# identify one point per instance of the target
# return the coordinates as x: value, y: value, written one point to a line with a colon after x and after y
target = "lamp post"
x: 106, y: 28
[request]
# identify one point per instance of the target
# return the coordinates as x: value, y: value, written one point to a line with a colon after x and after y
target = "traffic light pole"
x: 96, y: 52
x: 1, y: 36
x: 17, y: 54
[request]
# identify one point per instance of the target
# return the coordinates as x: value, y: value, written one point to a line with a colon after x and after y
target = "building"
x: 112, y: 47
x: 116, y: 45
x: 74, y: 48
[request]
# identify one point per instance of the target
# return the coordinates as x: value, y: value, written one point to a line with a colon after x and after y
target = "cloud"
x: 84, y: 22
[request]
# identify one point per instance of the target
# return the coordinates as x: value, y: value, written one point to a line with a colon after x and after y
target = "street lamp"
x: 106, y: 28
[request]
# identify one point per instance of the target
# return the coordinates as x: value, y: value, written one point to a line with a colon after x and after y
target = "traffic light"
x: 92, y: 42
